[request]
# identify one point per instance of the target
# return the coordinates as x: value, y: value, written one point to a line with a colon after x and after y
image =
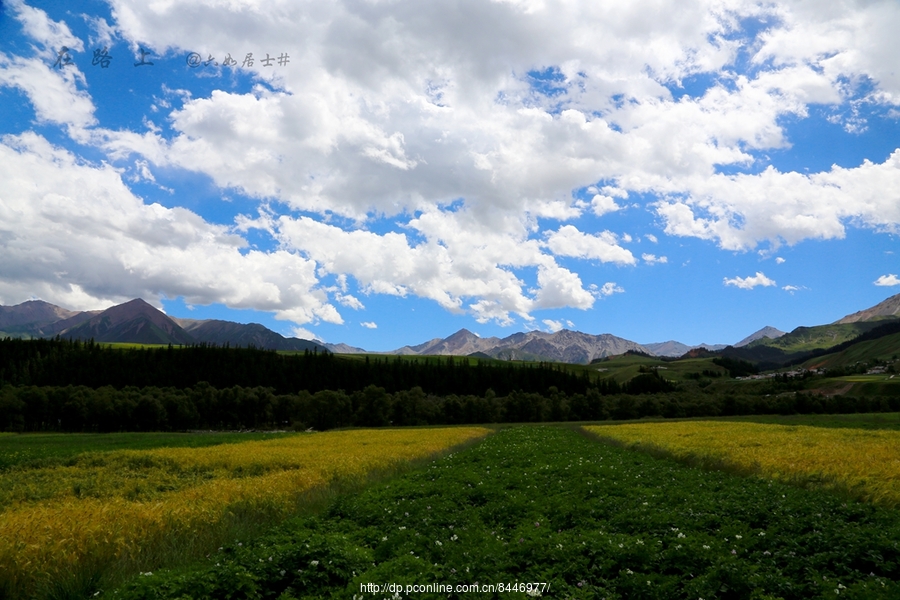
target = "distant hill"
x: 134, y: 322
x: 220, y: 333
x: 461, y: 343
x: 33, y: 313
x: 562, y: 346
x: 766, y: 332
x: 673, y: 349
x: 344, y: 349
x: 890, y: 308
x: 669, y: 348
x: 36, y: 318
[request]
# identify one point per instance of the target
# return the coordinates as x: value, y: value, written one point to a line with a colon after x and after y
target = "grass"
x: 884, y: 348
x: 625, y: 367
x: 45, y: 449
x: 872, y: 421
x: 804, y: 339
x: 857, y: 385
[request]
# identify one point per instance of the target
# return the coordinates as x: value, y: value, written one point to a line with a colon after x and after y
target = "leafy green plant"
x: 540, y: 504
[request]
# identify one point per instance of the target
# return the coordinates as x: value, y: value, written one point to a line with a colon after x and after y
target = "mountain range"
x: 137, y: 321
x: 562, y: 346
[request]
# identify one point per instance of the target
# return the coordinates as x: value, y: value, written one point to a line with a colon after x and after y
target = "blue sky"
x: 398, y: 171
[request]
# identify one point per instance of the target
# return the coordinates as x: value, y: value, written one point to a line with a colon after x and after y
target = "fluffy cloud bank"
x: 74, y: 234
x: 497, y: 138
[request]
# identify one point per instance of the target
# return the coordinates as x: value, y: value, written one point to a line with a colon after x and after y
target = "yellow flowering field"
x: 865, y: 463
x: 131, y: 509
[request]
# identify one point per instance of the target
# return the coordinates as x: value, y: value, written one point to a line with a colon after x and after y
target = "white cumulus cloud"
x: 552, y: 326
x: 603, y: 246
x: 888, y: 280
x: 607, y: 289
x: 748, y: 283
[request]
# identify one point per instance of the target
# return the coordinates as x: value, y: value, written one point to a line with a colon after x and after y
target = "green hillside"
x: 886, y: 348
x: 804, y: 339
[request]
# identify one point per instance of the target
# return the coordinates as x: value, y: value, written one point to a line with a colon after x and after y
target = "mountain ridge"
x: 137, y: 321
x: 562, y: 346
x: 889, y: 307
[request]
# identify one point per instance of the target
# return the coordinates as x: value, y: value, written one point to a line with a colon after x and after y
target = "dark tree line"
x: 63, y: 362
x: 105, y: 409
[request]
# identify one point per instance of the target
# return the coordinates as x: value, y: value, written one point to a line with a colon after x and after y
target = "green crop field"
x: 625, y: 367
x: 545, y: 511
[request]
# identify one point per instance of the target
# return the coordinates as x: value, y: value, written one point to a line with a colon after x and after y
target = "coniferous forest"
x: 63, y: 362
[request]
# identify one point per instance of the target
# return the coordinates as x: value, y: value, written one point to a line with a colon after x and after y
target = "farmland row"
x: 67, y: 525
x: 858, y: 463
x: 547, y: 505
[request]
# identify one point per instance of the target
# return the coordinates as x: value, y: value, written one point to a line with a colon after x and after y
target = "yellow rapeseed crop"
x: 126, y: 509
x: 863, y: 463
